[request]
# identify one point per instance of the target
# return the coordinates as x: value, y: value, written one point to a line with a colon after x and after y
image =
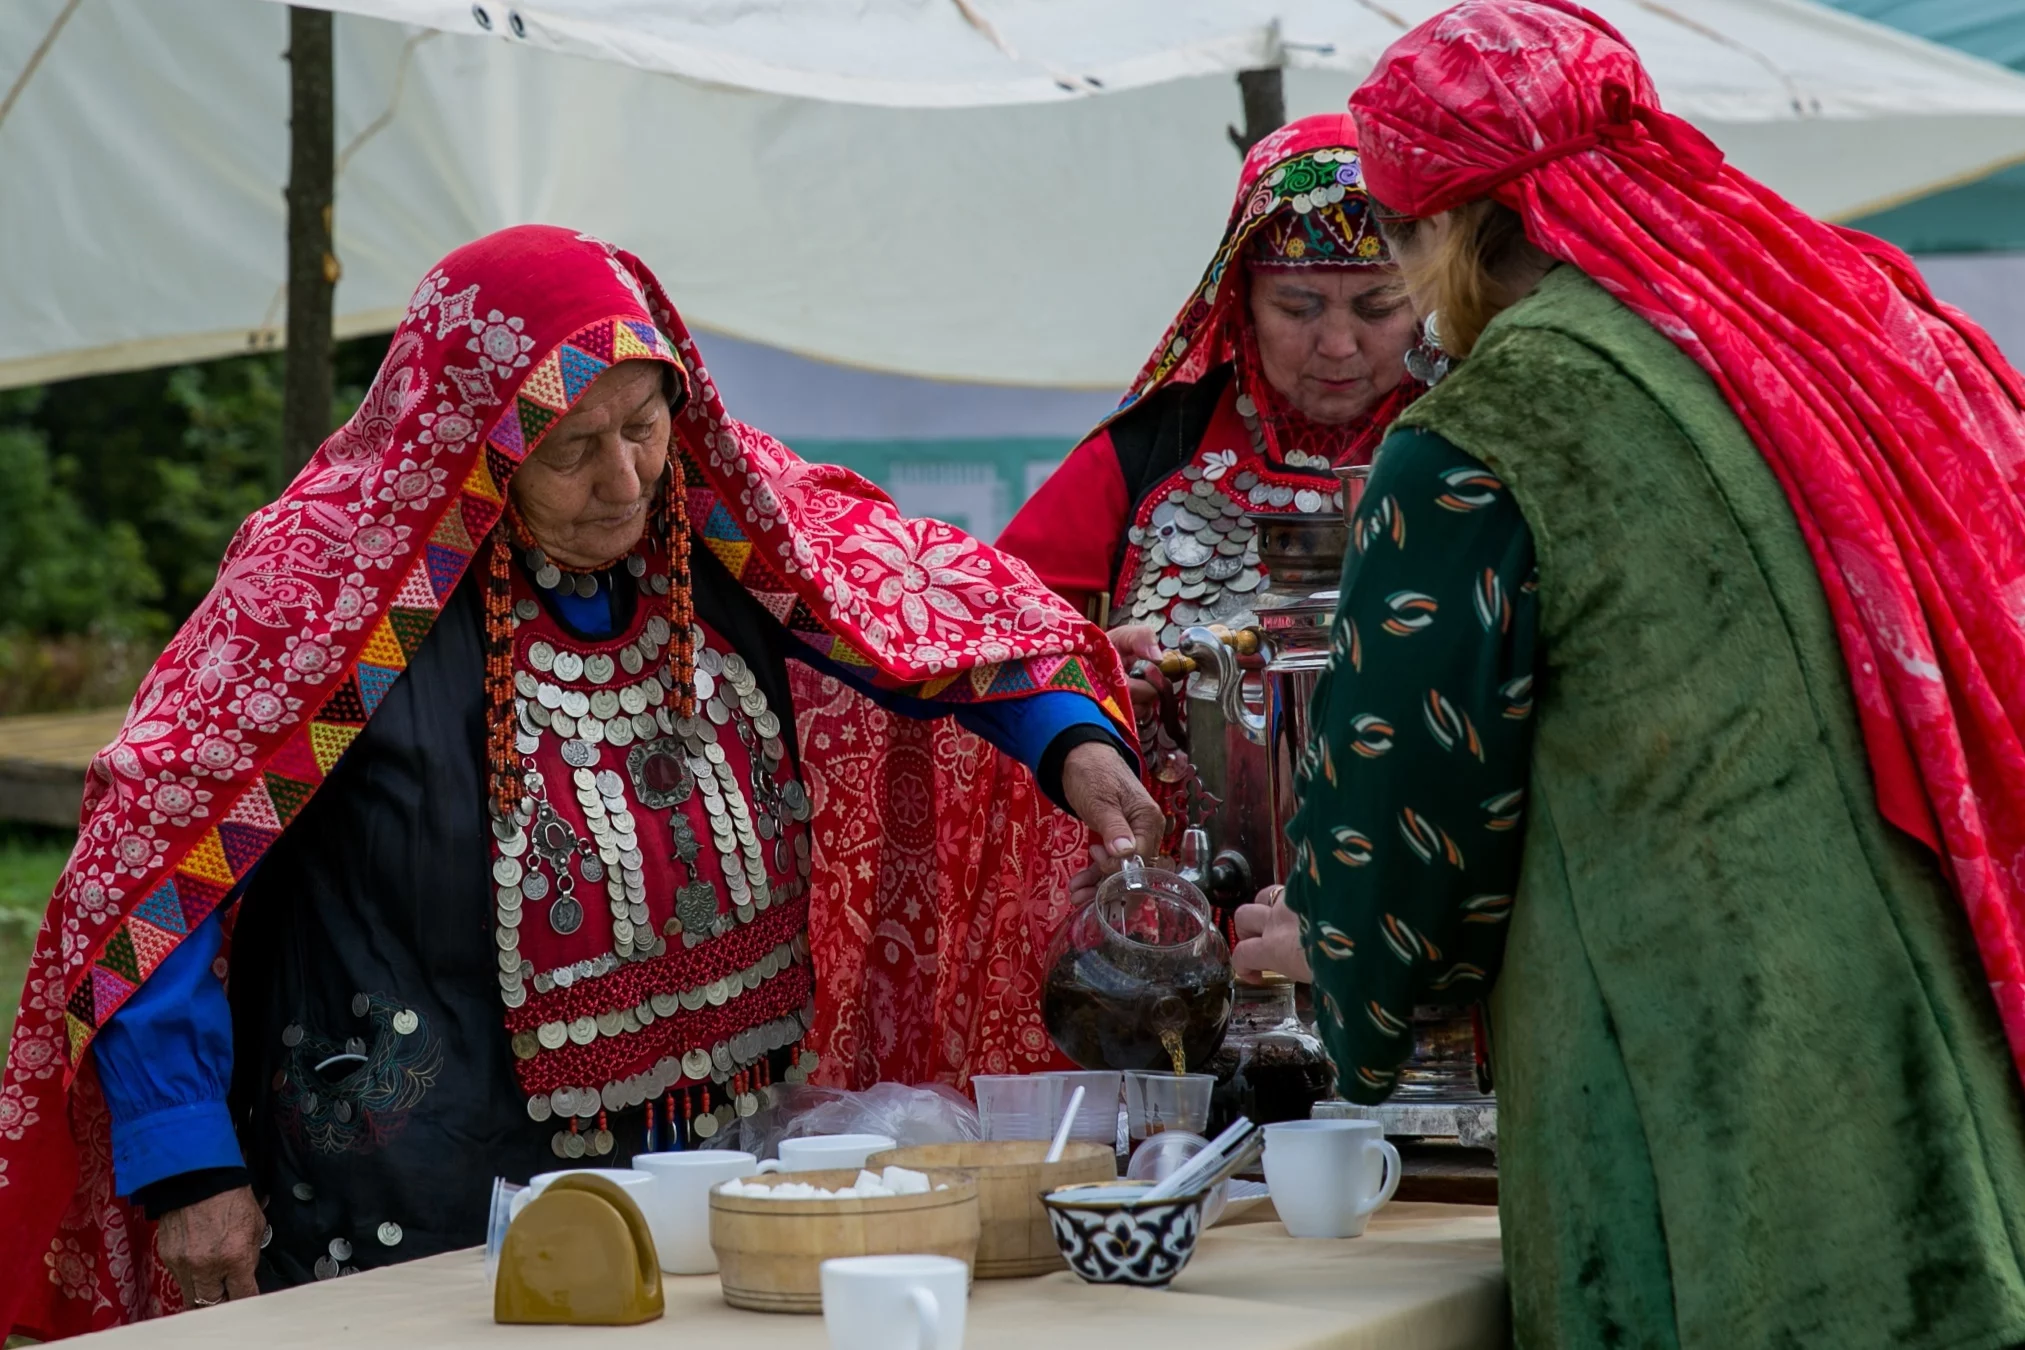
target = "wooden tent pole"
x: 1265, y: 107
x: 312, y: 256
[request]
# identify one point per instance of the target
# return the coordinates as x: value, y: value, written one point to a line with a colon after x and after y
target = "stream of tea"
x: 1107, y: 1014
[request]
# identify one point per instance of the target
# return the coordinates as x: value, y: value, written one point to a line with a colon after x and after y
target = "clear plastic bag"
x: 931, y: 1114
x: 504, y: 1193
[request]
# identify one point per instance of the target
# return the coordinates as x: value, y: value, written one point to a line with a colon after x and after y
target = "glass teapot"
x: 1139, y: 978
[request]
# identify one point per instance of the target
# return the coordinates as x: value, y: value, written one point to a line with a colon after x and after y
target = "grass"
x: 30, y: 858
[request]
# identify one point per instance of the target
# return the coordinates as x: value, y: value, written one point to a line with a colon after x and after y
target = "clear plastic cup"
x: 1097, y: 1117
x: 1163, y: 1154
x: 1155, y: 1102
x: 1017, y: 1105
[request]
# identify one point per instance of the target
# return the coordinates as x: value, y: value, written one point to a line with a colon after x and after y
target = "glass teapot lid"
x: 1152, y: 908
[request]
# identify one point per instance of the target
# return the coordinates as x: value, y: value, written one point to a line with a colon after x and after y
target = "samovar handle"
x: 1217, y: 650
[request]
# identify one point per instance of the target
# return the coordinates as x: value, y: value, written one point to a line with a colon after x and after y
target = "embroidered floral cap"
x: 1324, y: 219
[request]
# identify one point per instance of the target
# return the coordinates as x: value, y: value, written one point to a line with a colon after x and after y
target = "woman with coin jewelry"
x: 1289, y: 360
x: 1278, y: 369
x: 484, y: 738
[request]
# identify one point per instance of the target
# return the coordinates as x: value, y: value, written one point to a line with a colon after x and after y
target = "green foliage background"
x: 123, y: 491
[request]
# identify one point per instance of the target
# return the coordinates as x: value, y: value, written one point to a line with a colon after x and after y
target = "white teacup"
x: 635, y: 1184
x: 895, y: 1302
x: 1328, y: 1176
x: 820, y: 1152
x: 678, y: 1203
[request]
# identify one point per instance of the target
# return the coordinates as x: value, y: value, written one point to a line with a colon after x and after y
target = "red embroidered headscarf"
x: 1300, y: 203
x: 321, y: 601
x: 1891, y: 420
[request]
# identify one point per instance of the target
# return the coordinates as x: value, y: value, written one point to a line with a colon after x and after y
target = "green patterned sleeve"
x: 1413, y: 788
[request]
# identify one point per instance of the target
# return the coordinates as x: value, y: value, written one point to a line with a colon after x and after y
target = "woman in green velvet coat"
x: 1674, y: 712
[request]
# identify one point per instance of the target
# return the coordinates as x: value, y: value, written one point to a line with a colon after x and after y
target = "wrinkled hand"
x: 211, y: 1247
x: 1101, y: 788
x: 1138, y: 642
x: 1269, y: 939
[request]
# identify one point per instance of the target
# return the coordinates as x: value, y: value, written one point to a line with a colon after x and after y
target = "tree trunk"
x: 312, y: 257
x: 1265, y: 107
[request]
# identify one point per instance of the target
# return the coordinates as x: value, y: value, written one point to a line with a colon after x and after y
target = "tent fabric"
x: 142, y: 161
x: 1988, y: 214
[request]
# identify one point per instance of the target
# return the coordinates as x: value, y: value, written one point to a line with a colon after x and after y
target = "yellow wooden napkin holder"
x: 579, y: 1254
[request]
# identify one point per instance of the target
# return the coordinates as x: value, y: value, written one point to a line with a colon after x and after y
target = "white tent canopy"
x: 1000, y: 191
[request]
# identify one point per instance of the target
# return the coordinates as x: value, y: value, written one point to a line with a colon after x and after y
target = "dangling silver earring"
x: 1427, y: 362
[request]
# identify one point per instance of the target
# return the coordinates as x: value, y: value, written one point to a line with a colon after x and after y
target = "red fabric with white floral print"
x: 382, y: 521
x: 1891, y: 420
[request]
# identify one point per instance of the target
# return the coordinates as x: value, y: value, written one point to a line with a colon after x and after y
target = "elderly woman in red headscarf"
x: 484, y: 745
x: 1676, y: 707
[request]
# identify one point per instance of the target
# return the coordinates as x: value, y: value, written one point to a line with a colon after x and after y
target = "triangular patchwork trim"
x: 151, y: 944
x: 411, y: 626
x: 118, y: 956
x: 329, y: 742
x: 731, y: 553
x: 162, y: 909
x: 108, y: 991
x: 445, y: 566
x: 253, y: 808
x: 288, y: 795
x: 374, y: 682
x: 578, y: 369
x: 383, y: 648
x: 451, y: 534
x: 206, y: 859
x: 543, y: 388
x: 243, y: 845
x: 416, y: 592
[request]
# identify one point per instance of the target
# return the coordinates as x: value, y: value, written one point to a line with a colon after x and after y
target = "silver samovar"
x: 1248, y: 698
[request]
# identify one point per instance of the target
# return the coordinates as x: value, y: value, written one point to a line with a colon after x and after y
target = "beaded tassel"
x: 674, y: 530
x: 508, y: 777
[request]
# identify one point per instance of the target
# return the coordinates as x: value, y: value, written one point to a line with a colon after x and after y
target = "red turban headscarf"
x: 1891, y: 420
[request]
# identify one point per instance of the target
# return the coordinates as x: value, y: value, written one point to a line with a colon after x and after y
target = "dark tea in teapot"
x: 1139, y: 978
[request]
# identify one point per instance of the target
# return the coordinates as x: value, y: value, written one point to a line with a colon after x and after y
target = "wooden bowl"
x: 1011, y: 1178
x: 770, y: 1252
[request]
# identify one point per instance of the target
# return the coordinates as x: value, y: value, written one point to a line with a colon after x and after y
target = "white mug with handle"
x: 1329, y: 1176
x: 895, y: 1302
x: 821, y: 1152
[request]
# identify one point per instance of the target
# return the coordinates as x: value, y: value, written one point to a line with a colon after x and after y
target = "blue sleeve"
x: 1023, y: 728
x: 165, y: 1062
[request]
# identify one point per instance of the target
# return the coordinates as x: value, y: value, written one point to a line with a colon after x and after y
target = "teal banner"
x: 975, y: 485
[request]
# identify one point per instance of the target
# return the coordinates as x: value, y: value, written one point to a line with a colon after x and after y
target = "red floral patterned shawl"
x: 1891, y: 420
x: 320, y: 602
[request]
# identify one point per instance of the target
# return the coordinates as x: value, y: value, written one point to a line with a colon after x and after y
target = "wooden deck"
x: 43, y: 759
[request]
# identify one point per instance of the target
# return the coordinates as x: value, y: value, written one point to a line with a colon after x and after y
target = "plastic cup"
x: 1017, y: 1105
x: 1167, y: 1101
x: 1097, y: 1117
x: 1164, y: 1153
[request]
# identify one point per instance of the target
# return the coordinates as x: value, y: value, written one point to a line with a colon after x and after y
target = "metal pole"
x: 312, y: 258
x: 1265, y: 107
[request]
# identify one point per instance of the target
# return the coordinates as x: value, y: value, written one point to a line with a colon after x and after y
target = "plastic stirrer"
x: 1068, y: 1120
x: 1203, y: 1164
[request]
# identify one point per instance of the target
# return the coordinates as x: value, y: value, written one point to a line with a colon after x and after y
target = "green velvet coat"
x: 1751, y: 1085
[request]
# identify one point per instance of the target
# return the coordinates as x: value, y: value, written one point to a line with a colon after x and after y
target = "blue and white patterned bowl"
x: 1109, y: 1236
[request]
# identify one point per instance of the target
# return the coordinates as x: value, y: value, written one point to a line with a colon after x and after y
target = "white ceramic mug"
x: 635, y: 1184
x: 821, y: 1152
x: 895, y: 1302
x: 678, y: 1203
x: 1328, y: 1176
